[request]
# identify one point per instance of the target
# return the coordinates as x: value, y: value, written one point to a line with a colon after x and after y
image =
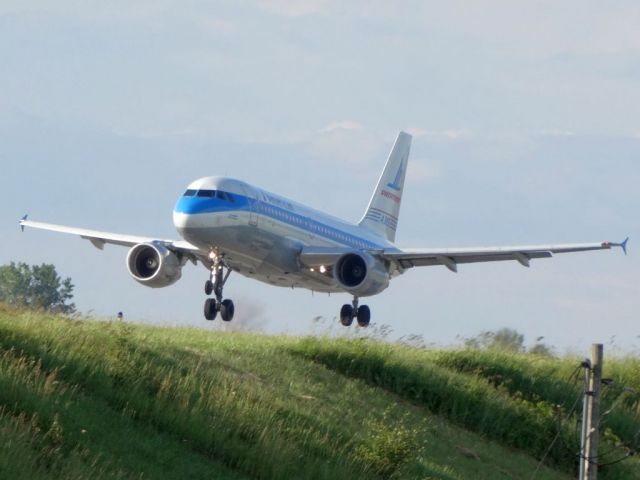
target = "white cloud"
x: 421, y: 171
x: 219, y: 25
x: 97, y: 10
x: 9, y: 7
x: 293, y: 8
x: 556, y: 132
x: 540, y: 29
x: 450, y: 134
x: 618, y: 31
x: 342, y: 125
x: 274, y: 136
x: 345, y: 142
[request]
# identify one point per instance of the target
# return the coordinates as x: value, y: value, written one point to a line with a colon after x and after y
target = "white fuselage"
x: 261, y: 234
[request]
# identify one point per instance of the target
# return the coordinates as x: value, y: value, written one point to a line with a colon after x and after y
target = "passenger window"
x: 189, y: 193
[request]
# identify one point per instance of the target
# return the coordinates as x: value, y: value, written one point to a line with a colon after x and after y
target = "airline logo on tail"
x: 396, y: 182
x: 391, y: 196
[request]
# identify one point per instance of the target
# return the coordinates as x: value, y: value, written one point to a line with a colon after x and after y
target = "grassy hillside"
x: 84, y: 399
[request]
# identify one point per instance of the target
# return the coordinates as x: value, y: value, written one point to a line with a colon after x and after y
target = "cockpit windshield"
x: 210, y: 194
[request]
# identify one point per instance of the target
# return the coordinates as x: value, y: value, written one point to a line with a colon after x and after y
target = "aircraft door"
x: 253, y: 204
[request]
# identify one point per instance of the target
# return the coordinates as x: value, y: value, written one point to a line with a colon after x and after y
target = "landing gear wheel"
x: 364, y: 315
x: 346, y: 315
x: 227, y: 309
x: 217, y: 278
x: 210, y: 309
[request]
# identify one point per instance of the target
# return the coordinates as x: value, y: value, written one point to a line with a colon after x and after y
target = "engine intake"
x: 154, y: 265
x: 361, y: 274
x: 352, y: 270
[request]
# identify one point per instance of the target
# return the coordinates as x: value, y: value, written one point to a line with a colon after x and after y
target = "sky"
x: 526, y: 124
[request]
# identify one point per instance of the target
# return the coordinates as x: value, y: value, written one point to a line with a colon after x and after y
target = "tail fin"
x: 382, y: 214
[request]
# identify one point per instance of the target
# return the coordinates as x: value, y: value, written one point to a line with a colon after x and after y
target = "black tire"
x: 364, y: 315
x: 208, y: 287
x: 227, y: 309
x: 210, y: 310
x: 346, y: 315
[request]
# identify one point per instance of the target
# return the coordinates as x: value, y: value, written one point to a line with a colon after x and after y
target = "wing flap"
x: 429, y: 260
x: 451, y: 257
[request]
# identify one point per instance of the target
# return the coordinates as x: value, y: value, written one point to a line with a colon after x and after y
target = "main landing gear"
x: 215, y: 285
x: 349, y: 312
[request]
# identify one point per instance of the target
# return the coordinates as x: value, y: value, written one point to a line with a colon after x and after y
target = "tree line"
x: 36, y: 287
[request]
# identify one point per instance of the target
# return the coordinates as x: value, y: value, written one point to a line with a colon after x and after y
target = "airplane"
x: 230, y: 226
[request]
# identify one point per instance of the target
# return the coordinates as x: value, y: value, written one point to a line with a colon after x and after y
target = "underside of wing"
x: 451, y: 257
x: 99, y: 239
x: 316, y: 256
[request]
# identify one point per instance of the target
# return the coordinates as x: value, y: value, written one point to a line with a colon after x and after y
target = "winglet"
x: 624, y: 245
x: 22, y: 220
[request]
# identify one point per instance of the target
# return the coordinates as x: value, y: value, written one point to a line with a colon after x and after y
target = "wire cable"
x: 632, y: 450
x: 555, y: 438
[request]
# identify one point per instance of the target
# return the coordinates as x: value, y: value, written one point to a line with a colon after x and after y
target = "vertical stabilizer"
x: 382, y: 214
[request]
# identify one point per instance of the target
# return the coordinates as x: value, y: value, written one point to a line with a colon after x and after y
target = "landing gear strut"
x: 215, y: 285
x: 349, y: 312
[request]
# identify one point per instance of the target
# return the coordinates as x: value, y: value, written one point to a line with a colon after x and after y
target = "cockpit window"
x: 206, y: 193
x: 224, y: 196
x: 210, y: 194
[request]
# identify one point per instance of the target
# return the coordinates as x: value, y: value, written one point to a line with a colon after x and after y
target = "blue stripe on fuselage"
x: 199, y: 205
x: 194, y: 205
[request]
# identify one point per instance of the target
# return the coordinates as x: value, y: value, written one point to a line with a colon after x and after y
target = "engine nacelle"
x: 361, y: 274
x: 153, y: 265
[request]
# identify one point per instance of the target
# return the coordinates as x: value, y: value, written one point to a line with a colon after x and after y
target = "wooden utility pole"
x: 589, y: 464
x: 586, y: 365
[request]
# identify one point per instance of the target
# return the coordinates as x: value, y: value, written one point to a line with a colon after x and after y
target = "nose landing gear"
x: 215, y: 285
x: 349, y: 312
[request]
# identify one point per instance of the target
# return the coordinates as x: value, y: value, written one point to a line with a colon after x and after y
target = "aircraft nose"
x: 183, y: 213
x: 181, y: 221
x: 187, y: 205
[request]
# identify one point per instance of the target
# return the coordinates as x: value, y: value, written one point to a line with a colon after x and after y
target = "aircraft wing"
x: 451, y: 257
x: 99, y: 239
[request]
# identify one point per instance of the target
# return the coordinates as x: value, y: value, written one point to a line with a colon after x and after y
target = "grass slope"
x: 84, y: 399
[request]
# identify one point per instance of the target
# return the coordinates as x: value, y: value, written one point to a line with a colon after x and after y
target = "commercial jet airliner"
x: 230, y: 226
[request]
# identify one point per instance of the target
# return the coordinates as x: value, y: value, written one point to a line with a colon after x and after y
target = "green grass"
x: 518, y: 400
x: 89, y: 399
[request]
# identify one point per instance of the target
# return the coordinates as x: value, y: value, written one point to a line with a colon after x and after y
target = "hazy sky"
x: 526, y: 123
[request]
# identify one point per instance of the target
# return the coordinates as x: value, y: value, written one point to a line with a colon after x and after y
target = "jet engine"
x: 361, y: 274
x: 153, y: 265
